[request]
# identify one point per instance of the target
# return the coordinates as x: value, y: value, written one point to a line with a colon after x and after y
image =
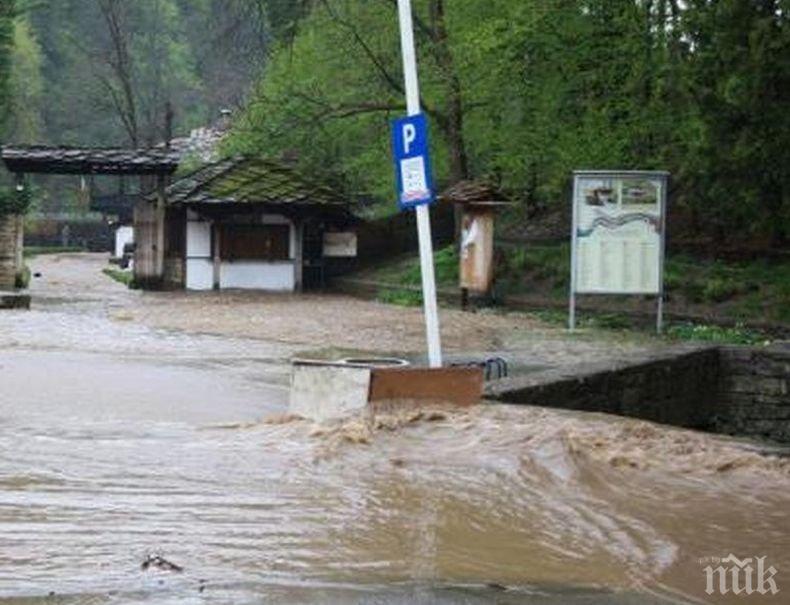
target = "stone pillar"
x: 20, y: 242
x: 9, y: 241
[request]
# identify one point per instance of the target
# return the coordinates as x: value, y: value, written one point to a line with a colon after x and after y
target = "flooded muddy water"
x: 118, y: 442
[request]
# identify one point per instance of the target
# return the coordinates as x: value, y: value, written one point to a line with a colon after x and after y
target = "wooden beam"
x: 299, y: 255
x: 159, y: 250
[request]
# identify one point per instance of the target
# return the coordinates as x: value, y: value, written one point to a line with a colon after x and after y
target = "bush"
x: 719, y: 289
x: 731, y: 335
x: 22, y: 280
x: 14, y: 202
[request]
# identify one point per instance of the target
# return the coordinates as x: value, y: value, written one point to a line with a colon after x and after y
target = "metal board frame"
x: 578, y: 175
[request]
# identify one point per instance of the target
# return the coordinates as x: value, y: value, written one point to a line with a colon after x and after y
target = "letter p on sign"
x: 409, y: 136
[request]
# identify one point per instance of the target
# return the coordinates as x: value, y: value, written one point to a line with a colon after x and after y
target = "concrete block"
x: 327, y: 391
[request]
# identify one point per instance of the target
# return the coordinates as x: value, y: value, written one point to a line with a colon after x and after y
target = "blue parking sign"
x: 412, y: 161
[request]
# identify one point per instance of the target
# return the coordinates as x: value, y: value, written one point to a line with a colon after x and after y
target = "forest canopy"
x: 521, y: 92
x: 518, y: 92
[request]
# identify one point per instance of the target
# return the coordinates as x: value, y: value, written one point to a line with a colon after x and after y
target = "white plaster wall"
x: 199, y: 239
x: 239, y: 274
x: 200, y: 265
x: 123, y: 235
x: 200, y: 274
x: 258, y: 275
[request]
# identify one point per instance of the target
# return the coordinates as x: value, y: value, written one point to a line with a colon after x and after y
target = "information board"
x: 618, y: 233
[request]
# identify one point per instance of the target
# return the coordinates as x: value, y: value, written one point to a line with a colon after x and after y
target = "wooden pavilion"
x: 154, y: 167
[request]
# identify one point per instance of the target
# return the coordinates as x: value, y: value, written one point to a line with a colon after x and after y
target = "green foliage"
x: 7, y: 15
x: 738, y: 334
x: 26, y: 86
x: 699, y: 88
x: 13, y: 201
x: 445, y: 269
x: 22, y: 280
x: 400, y: 297
x: 124, y: 277
x: 197, y: 55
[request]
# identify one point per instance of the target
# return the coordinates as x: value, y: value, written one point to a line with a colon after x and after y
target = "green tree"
x: 26, y: 86
x: 7, y: 16
x: 738, y: 65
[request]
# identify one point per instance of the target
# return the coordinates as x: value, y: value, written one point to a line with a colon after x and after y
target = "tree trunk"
x: 454, y: 128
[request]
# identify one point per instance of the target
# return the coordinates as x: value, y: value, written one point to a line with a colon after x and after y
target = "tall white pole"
x: 423, y: 214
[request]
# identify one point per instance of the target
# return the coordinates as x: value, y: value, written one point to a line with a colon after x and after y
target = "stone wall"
x: 9, y: 239
x: 755, y: 392
x: 174, y: 277
x: 672, y: 387
x: 743, y: 391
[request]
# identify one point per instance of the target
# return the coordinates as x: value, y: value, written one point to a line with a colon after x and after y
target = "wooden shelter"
x: 479, y: 203
x: 253, y: 224
x: 154, y: 167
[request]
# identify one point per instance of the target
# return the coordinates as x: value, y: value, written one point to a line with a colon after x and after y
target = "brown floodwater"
x: 118, y: 442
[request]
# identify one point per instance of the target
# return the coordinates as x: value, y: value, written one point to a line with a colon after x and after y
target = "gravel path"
x: 325, y: 321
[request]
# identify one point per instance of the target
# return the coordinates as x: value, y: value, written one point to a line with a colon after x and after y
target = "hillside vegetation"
x: 521, y: 92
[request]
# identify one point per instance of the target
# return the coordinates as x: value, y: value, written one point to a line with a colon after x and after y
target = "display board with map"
x: 618, y: 232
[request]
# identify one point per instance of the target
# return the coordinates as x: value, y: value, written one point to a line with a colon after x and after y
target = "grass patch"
x: 753, y: 291
x: 400, y: 297
x: 124, y: 277
x: 31, y: 251
x: 737, y: 334
x: 611, y: 322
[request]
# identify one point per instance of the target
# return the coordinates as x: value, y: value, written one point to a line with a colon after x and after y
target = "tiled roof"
x: 251, y: 181
x: 74, y: 160
x: 472, y: 192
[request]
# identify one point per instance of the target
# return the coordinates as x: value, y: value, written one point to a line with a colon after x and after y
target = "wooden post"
x: 299, y: 255
x: 159, y: 251
x: 216, y: 232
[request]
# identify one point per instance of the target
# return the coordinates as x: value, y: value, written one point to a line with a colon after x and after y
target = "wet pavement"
x: 131, y: 425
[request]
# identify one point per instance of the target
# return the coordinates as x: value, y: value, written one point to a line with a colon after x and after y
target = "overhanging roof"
x: 474, y: 193
x: 251, y: 181
x: 39, y: 159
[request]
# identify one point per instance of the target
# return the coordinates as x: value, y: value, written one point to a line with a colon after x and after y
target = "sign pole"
x: 423, y: 214
x: 572, y: 297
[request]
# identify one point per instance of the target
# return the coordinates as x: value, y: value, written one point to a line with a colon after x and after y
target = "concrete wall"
x: 743, y: 391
